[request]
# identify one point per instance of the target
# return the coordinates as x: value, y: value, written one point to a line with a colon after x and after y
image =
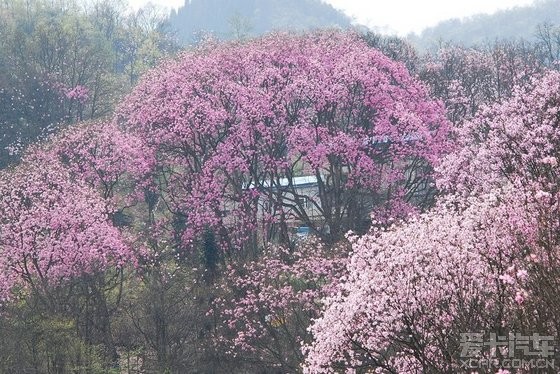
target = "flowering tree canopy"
x: 517, y: 141
x: 268, y: 303
x: 485, y: 259
x: 234, y: 124
x: 517, y: 144
x: 467, y: 79
x: 113, y: 162
x: 53, y: 227
x: 58, y: 207
x: 413, y: 288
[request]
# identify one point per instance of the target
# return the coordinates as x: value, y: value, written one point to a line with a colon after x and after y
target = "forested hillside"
x: 226, y: 19
x: 514, y: 23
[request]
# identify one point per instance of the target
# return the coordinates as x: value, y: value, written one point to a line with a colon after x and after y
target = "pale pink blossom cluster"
x: 53, y: 227
x: 78, y: 92
x: 413, y: 287
x: 484, y: 259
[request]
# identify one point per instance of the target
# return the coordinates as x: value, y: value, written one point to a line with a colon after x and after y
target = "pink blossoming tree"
x: 485, y: 259
x: 61, y: 233
x: 234, y: 124
x: 53, y: 227
x: 269, y: 303
x: 413, y: 288
x: 467, y: 79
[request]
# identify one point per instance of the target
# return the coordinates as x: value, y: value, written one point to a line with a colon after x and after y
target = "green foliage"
x: 163, y: 321
x: 32, y: 341
x: 61, y: 63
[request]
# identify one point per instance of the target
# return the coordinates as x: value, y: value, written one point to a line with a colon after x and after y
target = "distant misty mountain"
x: 515, y: 23
x: 229, y: 19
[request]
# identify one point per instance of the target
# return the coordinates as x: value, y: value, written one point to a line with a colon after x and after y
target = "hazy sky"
x: 398, y: 16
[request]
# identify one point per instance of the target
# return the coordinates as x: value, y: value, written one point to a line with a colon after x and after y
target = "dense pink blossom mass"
x: 485, y: 259
x: 57, y: 207
x: 413, y: 287
x: 230, y: 122
x: 106, y: 158
x: 53, y: 227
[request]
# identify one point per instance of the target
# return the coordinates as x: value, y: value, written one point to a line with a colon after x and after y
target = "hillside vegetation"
x: 246, y: 18
x: 514, y: 23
